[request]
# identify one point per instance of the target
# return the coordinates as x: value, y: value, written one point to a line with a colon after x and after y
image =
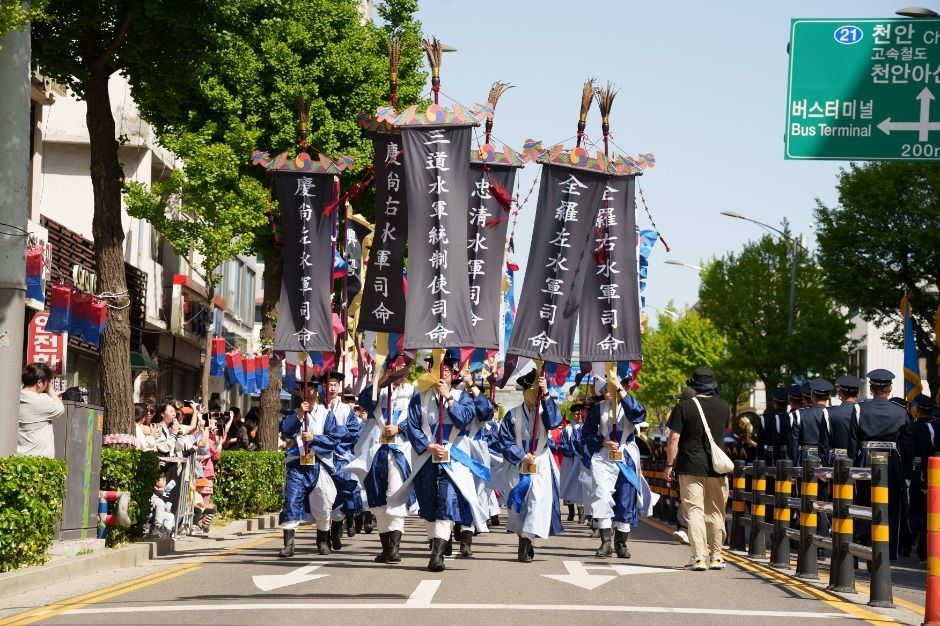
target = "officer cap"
x: 794, y: 391
x: 780, y: 394
x: 901, y: 402
x: 880, y: 377
x: 821, y: 386
x: 806, y: 390
x: 849, y: 382
x: 924, y: 402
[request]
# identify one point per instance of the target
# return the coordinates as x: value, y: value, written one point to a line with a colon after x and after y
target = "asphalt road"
x: 242, y: 581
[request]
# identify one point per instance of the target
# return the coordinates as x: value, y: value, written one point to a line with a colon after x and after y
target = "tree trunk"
x: 270, y: 397
x: 107, y: 179
x: 207, y: 351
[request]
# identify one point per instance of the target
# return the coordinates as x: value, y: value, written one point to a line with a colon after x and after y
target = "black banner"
x: 305, y: 319
x: 486, y: 243
x: 610, y: 307
x: 438, y: 181
x: 356, y: 231
x: 559, y: 255
x: 383, y: 298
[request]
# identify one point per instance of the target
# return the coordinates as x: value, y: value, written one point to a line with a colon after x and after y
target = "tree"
x: 206, y: 208
x: 676, y: 347
x: 746, y: 297
x: 15, y: 15
x: 884, y: 239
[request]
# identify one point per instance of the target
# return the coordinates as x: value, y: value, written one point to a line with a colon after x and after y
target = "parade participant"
x: 443, y: 478
x: 795, y: 402
x: 837, y: 439
x: 642, y: 440
x: 348, y: 499
x: 806, y: 436
x: 570, y: 490
x: 620, y: 491
x: 916, y: 448
x: 533, y: 505
x: 877, y: 428
x: 480, y: 452
x: 384, y: 458
x: 313, y: 435
x: 773, y: 429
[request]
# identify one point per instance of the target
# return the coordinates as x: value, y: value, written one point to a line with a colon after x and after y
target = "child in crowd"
x: 163, y: 520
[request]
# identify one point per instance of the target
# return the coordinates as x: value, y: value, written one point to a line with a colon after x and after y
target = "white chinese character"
x: 553, y: 286
x: 609, y: 343
x: 609, y: 293
x: 475, y: 267
x: 561, y: 238
x: 436, y: 161
x: 475, y: 294
x: 567, y: 211
x: 547, y: 312
x: 436, y: 136
x: 381, y: 285
x: 388, y: 232
x: 605, y: 217
x: 478, y: 214
x: 438, y: 333
x: 305, y: 284
x: 391, y: 206
x: 306, y: 212
x: 381, y: 313
x: 607, y: 193
x: 541, y: 341
x: 438, y: 186
x: 609, y: 317
x: 381, y: 258
x: 607, y: 268
x: 304, y: 239
x: 305, y: 260
x: 439, y: 259
x: 393, y: 181
x: 482, y: 189
x: 474, y: 318
x: 606, y: 242
x: 438, y: 209
x: 303, y: 335
x: 304, y: 187
x: 439, y: 307
x: 571, y: 186
x: 437, y: 234
x: 391, y: 153
x: 558, y: 262
x: 476, y: 244
x: 438, y: 284
x: 305, y: 310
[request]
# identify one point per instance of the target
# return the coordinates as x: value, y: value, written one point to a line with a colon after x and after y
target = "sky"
x: 702, y: 86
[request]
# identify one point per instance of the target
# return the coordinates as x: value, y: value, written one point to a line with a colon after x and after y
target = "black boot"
x: 323, y: 541
x: 336, y: 531
x: 570, y: 512
x: 580, y: 514
x: 367, y: 523
x: 288, y: 550
x: 359, y: 522
x: 588, y: 521
x: 436, y: 564
x: 456, y: 532
x: 494, y: 520
x: 383, y: 556
x: 394, y: 541
x: 350, y: 526
x: 448, y: 547
x: 620, y: 544
x: 525, y: 552
x: 594, y: 529
x: 466, y: 543
x: 605, y: 549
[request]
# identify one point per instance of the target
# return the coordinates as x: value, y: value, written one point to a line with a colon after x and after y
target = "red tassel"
x: 491, y: 222
x: 503, y: 197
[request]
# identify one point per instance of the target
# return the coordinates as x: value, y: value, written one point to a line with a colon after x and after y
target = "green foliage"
x: 135, y: 472
x: 31, y: 493
x: 676, y: 347
x: 746, y: 297
x: 883, y: 239
x: 248, y: 483
x: 15, y: 15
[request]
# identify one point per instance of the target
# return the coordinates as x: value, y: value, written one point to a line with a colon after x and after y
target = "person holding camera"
x: 40, y: 405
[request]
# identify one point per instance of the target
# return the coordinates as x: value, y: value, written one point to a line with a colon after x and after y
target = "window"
x: 259, y: 318
x: 248, y: 295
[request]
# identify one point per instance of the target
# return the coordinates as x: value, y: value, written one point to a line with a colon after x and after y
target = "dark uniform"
x: 809, y: 432
x: 878, y: 427
x: 773, y: 431
x: 916, y: 448
x: 795, y: 399
x: 839, y: 435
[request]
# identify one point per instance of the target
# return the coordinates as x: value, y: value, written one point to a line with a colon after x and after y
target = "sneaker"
x: 716, y: 562
x: 696, y: 564
x: 681, y: 536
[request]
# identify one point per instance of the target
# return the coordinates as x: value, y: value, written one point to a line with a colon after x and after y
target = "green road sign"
x: 864, y: 89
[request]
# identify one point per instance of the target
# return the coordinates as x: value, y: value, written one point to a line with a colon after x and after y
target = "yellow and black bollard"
x: 780, y: 553
x: 806, y: 563
x: 758, y: 544
x: 736, y: 541
x: 881, y: 594
x: 842, y: 568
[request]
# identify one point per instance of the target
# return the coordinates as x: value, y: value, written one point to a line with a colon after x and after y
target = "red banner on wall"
x: 45, y: 347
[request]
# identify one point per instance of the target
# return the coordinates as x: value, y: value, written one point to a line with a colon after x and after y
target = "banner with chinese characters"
x: 305, y: 321
x: 610, y: 305
x: 438, y: 182
x: 383, y: 296
x: 488, y: 219
x: 559, y: 256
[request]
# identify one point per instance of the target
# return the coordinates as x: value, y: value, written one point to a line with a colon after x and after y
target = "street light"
x: 679, y: 263
x: 916, y: 12
x: 795, y: 243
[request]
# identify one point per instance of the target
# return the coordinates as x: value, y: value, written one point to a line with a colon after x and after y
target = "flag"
x: 509, y: 299
x: 912, y: 384
x: 78, y: 321
x: 96, y: 321
x: 60, y: 308
x: 648, y: 239
x: 34, y: 269
x: 234, y: 368
x: 250, y: 386
x: 217, y: 365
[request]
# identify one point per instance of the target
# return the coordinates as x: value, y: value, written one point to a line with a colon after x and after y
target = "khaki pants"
x: 703, y: 505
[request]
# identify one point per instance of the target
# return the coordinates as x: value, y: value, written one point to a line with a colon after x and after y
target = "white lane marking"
x: 294, y: 606
x: 269, y: 582
x: 424, y: 593
x: 579, y: 574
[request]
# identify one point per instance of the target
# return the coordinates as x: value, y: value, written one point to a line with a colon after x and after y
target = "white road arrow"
x: 270, y: 582
x: 580, y: 576
x: 923, y: 126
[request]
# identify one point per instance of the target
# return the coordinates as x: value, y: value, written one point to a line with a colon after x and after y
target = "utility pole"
x: 14, y: 205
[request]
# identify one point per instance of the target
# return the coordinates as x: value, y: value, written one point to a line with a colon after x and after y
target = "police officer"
x: 773, y: 430
x: 806, y: 436
x: 877, y: 428
x: 795, y: 401
x: 838, y: 436
x: 915, y: 450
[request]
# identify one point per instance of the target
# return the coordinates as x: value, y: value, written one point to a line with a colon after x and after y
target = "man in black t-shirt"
x: 704, y: 492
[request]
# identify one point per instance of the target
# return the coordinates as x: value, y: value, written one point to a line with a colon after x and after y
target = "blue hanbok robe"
x: 348, y: 497
x: 310, y: 488
x: 480, y: 451
x: 570, y: 469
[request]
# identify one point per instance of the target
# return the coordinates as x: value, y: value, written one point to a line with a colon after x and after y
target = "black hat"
x: 334, y: 375
x: 780, y: 394
x: 702, y: 377
x: 214, y: 406
x: 936, y: 411
x: 806, y: 390
x: 794, y: 391
x: 449, y: 361
x: 348, y: 392
x: 901, y: 402
x: 821, y: 386
x: 924, y: 402
x: 687, y: 394
x: 525, y: 381
x: 849, y: 382
x: 880, y: 378
x: 577, y: 406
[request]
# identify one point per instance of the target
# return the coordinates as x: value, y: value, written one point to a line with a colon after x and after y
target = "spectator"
x: 236, y: 437
x: 702, y: 490
x: 146, y: 440
x: 207, y: 455
x: 39, y: 406
x: 251, y: 424
x: 161, y: 518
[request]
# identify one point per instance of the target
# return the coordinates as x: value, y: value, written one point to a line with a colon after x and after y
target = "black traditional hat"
x: 525, y: 381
